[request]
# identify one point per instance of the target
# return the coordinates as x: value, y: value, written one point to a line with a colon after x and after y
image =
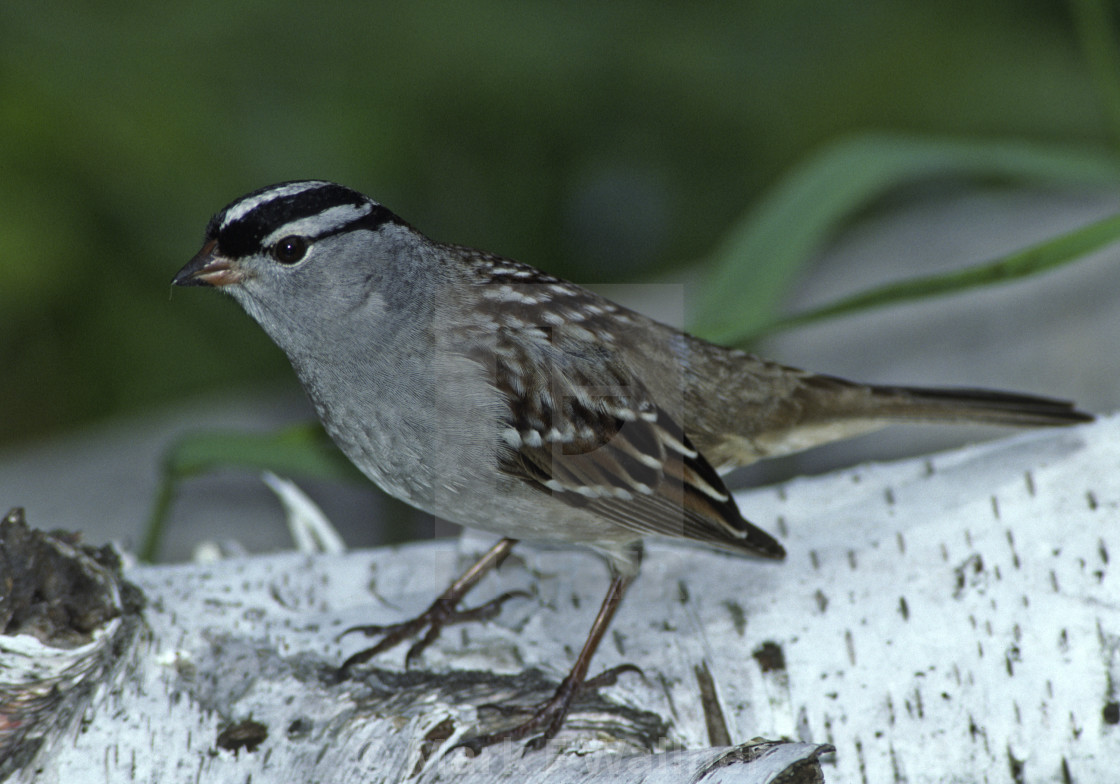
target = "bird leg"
x: 442, y: 613
x: 549, y: 715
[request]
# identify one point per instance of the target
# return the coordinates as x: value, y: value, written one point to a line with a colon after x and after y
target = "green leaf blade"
x: 1043, y: 257
x: 756, y: 265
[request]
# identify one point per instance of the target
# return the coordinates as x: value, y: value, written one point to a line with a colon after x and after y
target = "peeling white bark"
x: 949, y: 619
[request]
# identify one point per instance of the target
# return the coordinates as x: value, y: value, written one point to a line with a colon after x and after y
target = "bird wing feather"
x: 583, y: 430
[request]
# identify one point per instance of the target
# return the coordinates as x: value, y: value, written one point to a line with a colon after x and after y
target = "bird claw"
x: 610, y: 677
x: 549, y: 714
x: 441, y: 613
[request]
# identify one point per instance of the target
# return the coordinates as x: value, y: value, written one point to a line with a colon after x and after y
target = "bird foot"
x: 547, y: 716
x: 442, y: 613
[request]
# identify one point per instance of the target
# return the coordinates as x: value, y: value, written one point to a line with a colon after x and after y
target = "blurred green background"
x: 603, y: 141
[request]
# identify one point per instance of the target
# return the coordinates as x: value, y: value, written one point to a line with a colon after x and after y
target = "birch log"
x: 955, y: 618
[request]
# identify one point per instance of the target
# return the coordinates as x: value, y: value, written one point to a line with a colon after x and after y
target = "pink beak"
x: 208, y: 268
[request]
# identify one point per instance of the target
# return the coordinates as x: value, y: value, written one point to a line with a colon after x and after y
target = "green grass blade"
x: 1038, y: 258
x: 762, y: 255
x: 302, y: 450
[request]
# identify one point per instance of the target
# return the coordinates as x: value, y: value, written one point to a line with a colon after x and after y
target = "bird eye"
x: 291, y: 249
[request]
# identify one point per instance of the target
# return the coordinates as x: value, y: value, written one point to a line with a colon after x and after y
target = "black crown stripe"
x: 242, y: 237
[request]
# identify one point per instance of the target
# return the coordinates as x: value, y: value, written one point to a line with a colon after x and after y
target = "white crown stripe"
x: 244, y: 207
x: 325, y: 222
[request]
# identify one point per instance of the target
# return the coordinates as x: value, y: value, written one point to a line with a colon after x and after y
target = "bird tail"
x: 925, y: 404
x: 825, y: 408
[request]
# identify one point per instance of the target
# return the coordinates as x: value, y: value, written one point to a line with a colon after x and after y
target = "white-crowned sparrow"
x: 492, y: 394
